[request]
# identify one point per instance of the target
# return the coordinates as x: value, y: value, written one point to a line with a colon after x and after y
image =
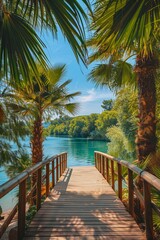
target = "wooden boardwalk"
x: 83, y: 206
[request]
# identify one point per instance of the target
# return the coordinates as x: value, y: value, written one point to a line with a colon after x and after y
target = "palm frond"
x: 68, y: 15
x: 20, y: 46
x: 128, y: 24
x: 112, y: 75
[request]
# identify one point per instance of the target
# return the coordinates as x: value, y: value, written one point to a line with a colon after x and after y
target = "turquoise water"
x: 80, y: 153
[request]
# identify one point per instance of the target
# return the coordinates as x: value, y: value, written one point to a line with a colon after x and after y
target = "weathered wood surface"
x: 83, y: 206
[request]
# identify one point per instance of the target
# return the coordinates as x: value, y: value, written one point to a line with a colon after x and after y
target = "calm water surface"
x: 80, y: 153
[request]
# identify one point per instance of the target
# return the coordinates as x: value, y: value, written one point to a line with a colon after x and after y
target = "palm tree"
x: 123, y: 28
x: 40, y: 102
x: 19, y: 41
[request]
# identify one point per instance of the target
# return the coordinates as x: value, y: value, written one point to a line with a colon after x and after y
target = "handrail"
x: 58, y: 166
x: 105, y: 164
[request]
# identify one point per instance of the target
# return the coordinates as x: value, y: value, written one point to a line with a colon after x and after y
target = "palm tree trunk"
x: 37, y: 149
x: 36, y: 143
x: 146, y: 135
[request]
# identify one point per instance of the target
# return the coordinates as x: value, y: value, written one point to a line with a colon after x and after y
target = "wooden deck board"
x: 83, y: 206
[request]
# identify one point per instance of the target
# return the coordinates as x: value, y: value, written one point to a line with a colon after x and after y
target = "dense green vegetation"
x: 92, y: 126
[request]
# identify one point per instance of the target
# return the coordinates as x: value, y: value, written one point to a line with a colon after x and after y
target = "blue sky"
x: 59, y: 52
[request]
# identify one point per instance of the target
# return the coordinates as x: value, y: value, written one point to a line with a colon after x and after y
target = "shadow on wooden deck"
x: 83, y: 206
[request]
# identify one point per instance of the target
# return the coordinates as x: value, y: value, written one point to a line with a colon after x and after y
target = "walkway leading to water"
x: 83, y: 206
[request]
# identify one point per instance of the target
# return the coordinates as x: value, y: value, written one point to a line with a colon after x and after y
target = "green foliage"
x: 122, y: 136
x: 30, y: 214
x: 92, y: 126
x: 107, y: 104
x: 106, y: 120
x: 12, y: 130
x: 20, y: 162
x: 128, y: 25
x: 21, y: 45
x: 119, y: 146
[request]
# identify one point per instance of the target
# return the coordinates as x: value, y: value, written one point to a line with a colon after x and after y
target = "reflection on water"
x: 80, y: 153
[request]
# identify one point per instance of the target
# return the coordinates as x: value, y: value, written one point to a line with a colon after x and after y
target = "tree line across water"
x: 89, y: 126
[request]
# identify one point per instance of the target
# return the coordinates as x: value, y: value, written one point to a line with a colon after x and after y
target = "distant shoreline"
x: 86, y: 138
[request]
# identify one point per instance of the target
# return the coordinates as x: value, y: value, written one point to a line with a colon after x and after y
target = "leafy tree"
x: 61, y: 129
x: 107, y: 104
x: 105, y: 120
x: 121, y: 29
x: 119, y: 145
x: 78, y: 127
x: 122, y: 136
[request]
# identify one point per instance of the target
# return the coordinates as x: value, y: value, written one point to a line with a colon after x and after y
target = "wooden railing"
x: 54, y: 166
x: 111, y: 169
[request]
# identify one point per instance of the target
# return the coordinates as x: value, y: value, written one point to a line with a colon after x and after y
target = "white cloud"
x: 93, y: 95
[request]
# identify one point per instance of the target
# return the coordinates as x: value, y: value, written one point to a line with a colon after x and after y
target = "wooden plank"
x: 83, y: 205
x: 83, y: 233
x: 88, y: 238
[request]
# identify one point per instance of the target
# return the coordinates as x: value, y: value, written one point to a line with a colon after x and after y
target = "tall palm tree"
x: 40, y: 102
x: 20, y: 44
x: 124, y: 27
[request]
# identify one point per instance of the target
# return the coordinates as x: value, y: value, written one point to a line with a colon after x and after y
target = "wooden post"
x: 148, y: 210
x: 98, y: 159
x: 112, y: 175
x: 95, y: 160
x: 103, y: 169
x: 130, y: 192
x: 119, y: 181
x: 107, y: 170
x: 62, y: 163
x: 100, y: 163
x: 57, y: 177
x: 53, y: 180
x: 47, y: 179
x: 65, y: 161
x: 60, y: 167
x: 21, y: 210
x: 38, y: 192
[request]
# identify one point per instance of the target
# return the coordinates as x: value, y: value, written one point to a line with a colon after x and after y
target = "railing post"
x: 66, y: 161
x: 21, y: 209
x: 112, y: 174
x: 130, y: 192
x: 99, y: 162
x: 38, y: 192
x: 103, y: 172
x: 148, y: 210
x: 47, y: 179
x: 95, y: 159
x: 119, y: 181
x: 60, y: 165
x: 107, y: 170
x: 57, y: 170
x: 53, y: 180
